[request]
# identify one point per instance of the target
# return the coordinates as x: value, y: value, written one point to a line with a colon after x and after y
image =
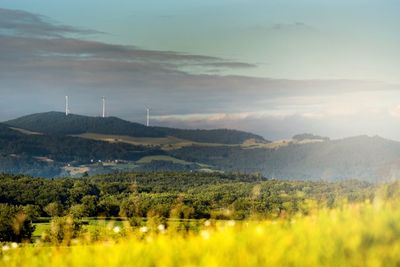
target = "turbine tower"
x: 66, y: 106
x: 148, y: 117
x: 104, y: 107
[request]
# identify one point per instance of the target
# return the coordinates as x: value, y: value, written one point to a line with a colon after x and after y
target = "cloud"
x: 40, y: 62
x: 272, y: 125
x: 56, y: 66
x: 16, y: 22
x: 395, y: 111
x: 62, y: 62
x: 229, y: 65
x: 278, y: 125
x: 287, y: 27
x: 24, y: 32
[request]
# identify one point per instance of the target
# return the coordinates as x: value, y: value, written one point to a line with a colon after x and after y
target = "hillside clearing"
x: 166, y: 143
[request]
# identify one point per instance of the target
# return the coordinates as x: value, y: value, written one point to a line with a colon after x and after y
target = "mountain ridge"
x: 58, y: 123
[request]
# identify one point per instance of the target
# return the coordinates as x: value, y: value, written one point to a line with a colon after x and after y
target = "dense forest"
x: 159, y: 196
x: 208, y: 194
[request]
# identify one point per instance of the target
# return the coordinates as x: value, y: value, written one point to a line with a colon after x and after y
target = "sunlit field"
x: 364, y: 234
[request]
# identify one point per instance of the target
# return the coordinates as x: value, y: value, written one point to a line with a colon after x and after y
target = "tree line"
x: 162, y: 195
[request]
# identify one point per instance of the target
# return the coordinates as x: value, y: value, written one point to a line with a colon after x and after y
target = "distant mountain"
x: 59, y: 124
x: 361, y: 157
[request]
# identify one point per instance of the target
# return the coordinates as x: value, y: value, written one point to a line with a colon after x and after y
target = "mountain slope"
x: 58, y: 123
x: 46, y: 155
x: 361, y: 157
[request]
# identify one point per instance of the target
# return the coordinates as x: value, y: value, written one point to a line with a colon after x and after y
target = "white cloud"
x: 38, y: 69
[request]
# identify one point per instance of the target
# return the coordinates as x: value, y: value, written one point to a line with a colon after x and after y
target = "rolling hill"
x: 47, y: 155
x: 56, y: 123
x: 41, y: 144
x: 360, y: 157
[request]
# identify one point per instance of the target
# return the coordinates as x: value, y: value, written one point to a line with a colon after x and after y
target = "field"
x: 165, y: 143
x: 171, y: 143
x: 89, y: 224
x: 365, y: 234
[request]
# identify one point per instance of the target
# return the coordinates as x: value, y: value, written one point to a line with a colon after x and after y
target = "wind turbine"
x: 104, y: 107
x: 66, y: 106
x: 148, y: 117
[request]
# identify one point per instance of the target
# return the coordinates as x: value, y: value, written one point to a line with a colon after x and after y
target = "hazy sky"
x: 276, y: 68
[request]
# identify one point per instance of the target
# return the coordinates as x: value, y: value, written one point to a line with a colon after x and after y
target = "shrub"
x: 14, y: 225
x: 62, y: 230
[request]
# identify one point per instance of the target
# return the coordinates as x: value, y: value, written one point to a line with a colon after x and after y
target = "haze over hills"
x: 360, y: 157
x: 42, y: 144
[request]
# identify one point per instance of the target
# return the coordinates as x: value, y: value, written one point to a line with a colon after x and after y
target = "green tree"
x: 78, y: 211
x: 53, y: 209
x: 32, y: 212
x: 90, y: 203
x: 62, y: 230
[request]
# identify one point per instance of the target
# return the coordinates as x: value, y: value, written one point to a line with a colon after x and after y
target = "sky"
x: 275, y: 68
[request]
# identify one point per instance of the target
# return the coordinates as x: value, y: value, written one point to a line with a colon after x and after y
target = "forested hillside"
x: 44, y: 155
x: 58, y: 123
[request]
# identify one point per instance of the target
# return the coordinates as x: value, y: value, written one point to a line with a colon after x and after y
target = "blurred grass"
x: 40, y: 228
x: 365, y: 234
x: 91, y: 224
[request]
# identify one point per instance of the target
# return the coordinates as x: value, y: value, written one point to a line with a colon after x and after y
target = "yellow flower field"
x: 366, y: 234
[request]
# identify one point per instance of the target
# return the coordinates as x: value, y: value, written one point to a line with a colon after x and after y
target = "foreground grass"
x: 355, y: 235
